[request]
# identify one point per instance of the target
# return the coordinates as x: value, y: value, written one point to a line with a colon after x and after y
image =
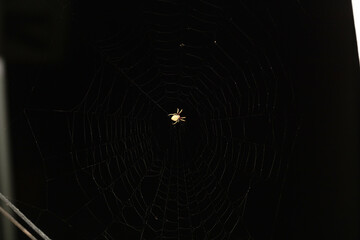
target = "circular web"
x: 113, y: 163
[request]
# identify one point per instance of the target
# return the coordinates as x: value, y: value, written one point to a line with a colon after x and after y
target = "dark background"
x: 317, y: 41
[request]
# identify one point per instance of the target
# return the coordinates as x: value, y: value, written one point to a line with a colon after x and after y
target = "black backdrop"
x: 54, y: 50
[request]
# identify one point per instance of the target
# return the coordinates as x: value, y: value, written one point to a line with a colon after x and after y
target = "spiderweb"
x: 114, y: 166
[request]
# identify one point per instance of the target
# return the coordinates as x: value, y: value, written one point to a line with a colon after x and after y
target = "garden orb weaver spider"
x: 176, y: 117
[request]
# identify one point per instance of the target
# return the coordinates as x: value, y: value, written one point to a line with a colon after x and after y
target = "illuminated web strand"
x: 23, y: 217
x: 143, y: 92
x: 136, y: 85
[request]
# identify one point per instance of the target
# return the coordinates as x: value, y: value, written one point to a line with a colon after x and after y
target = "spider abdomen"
x: 175, y: 117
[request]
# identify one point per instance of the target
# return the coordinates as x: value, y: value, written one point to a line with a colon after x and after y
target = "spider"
x: 176, y: 117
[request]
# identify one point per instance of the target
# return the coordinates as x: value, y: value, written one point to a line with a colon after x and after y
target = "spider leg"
x: 177, y: 111
x: 180, y: 111
x: 182, y: 119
